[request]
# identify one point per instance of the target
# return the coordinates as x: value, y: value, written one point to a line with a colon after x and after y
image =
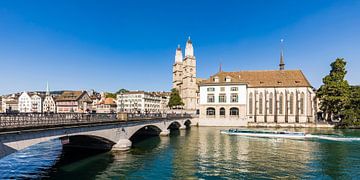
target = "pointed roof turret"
x: 178, y: 55
x: 47, y: 89
x: 282, y: 64
x: 189, y: 49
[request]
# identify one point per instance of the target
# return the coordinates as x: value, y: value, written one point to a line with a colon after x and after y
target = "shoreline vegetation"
x: 338, y: 100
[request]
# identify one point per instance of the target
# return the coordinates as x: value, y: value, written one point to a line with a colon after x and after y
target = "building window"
x: 281, y: 102
x: 234, y: 97
x: 222, y: 98
x: 260, y: 103
x: 271, y: 103
x: 251, y: 103
x: 210, y: 98
x: 216, y: 79
x: 210, y: 89
x: 234, y: 111
x: 234, y: 88
x: 222, y: 89
x: 222, y: 111
x: 228, y: 79
x: 292, y: 103
x: 210, y: 111
x: 302, y: 97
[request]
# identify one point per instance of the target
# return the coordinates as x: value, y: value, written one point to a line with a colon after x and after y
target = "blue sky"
x: 107, y: 45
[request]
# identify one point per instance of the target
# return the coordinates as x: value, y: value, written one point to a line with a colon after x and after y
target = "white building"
x: 24, y: 103
x: 49, y: 105
x: 138, y: 102
x: 106, y: 105
x: 36, y: 103
x: 257, y: 97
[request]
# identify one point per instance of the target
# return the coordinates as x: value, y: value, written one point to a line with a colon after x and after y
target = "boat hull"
x: 290, y: 136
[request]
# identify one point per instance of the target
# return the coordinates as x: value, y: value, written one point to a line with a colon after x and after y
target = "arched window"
x: 292, y: 103
x: 251, y: 103
x: 302, y: 97
x: 222, y: 111
x: 271, y: 103
x: 281, y: 102
x: 234, y: 111
x: 210, y: 111
x: 261, y: 103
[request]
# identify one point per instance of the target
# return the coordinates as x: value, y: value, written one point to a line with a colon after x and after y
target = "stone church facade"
x: 184, y: 76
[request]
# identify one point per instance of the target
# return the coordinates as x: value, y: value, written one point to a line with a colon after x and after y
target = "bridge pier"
x: 122, y: 145
x: 164, y: 132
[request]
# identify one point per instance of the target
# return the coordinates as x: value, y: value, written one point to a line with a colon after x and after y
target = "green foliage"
x: 120, y: 91
x: 338, y: 99
x: 110, y: 95
x: 334, y: 94
x: 351, y: 115
x: 175, y: 99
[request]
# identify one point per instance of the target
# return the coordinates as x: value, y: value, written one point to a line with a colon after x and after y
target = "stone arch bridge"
x: 107, y: 132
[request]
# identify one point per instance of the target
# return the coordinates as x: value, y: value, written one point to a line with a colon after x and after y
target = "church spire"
x: 220, y: 67
x: 178, y: 55
x: 282, y: 64
x: 189, y: 49
x: 47, y: 89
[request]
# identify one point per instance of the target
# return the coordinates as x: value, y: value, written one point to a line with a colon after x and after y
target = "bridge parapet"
x: 21, y: 121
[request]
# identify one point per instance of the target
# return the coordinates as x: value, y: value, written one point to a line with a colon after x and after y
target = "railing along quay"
x: 47, y: 120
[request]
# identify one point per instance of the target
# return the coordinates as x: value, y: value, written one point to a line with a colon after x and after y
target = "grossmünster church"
x: 277, y: 96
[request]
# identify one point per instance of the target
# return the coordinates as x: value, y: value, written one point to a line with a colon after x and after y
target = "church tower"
x: 184, y: 75
x: 189, y: 87
x: 178, y: 69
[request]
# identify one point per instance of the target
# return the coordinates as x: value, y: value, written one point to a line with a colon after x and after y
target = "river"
x: 200, y: 153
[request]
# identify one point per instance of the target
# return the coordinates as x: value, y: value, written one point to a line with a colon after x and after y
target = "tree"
x: 121, y: 91
x: 110, y: 95
x: 351, y: 114
x: 334, y: 94
x: 175, y: 99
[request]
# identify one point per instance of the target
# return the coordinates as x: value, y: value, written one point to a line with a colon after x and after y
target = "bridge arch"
x: 187, y: 123
x: 86, y: 141
x: 144, y: 132
x: 174, y: 125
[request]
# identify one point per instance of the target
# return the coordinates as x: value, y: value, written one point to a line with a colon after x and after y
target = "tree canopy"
x: 120, y: 91
x: 337, y: 99
x: 175, y: 99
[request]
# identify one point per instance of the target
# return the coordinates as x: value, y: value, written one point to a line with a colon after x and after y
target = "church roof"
x: 266, y: 78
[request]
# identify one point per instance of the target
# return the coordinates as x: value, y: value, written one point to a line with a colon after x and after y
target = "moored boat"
x: 263, y: 133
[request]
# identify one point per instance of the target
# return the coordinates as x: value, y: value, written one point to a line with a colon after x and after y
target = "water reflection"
x: 204, y: 153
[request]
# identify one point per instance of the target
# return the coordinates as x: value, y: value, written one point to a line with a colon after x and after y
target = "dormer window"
x: 216, y: 79
x: 228, y: 79
x: 297, y: 82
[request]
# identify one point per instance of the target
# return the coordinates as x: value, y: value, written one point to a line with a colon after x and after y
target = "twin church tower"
x: 184, y: 76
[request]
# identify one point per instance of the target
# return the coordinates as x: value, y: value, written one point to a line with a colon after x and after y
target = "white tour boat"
x: 268, y: 134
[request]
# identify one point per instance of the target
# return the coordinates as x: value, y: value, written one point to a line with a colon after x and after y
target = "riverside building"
x: 280, y: 97
x: 138, y: 102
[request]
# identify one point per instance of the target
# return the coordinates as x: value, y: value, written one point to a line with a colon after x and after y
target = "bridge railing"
x: 39, y: 120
